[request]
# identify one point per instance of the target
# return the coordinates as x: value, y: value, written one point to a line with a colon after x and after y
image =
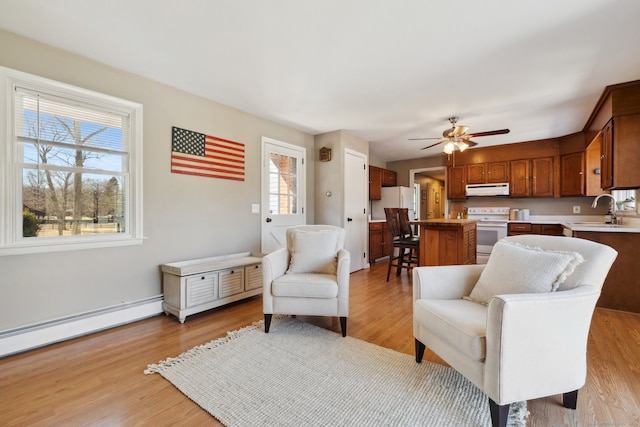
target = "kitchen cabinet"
x: 378, y: 178
x: 620, y: 153
x: 621, y: 289
x: 380, y: 240
x: 190, y: 287
x: 448, y: 241
x: 531, y: 177
x: 389, y: 178
x: 519, y: 228
x: 456, y: 185
x: 572, y: 178
x: 375, y: 183
x: 486, y: 173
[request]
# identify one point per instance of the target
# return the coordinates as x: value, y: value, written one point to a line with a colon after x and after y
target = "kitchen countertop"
x: 445, y: 222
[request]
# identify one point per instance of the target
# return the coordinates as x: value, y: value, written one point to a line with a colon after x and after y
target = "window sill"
x: 68, y: 246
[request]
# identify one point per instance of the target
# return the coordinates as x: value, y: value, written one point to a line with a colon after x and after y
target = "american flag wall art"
x: 194, y: 153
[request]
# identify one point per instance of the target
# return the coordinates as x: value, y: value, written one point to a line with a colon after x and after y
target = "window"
x: 626, y: 201
x: 283, y: 185
x: 72, y: 171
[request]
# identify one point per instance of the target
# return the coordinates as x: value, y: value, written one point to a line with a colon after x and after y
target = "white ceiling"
x: 385, y: 70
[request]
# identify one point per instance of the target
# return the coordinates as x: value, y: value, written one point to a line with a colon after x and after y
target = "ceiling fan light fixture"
x: 449, y: 147
x: 462, y: 146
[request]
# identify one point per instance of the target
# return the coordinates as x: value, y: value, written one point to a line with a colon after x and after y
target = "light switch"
x: 255, y: 208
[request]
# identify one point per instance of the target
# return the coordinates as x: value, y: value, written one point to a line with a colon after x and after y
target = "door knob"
x: 268, y: 220
x: 349, y: 219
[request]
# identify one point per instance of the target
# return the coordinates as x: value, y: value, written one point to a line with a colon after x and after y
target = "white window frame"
x: 11, y: 174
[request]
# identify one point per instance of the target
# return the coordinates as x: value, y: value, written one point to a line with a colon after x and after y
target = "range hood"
x: 498, y: 189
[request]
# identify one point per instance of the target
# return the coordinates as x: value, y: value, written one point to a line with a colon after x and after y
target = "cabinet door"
x: 375, y: 183
x: 542, y: 177
x: 231, y: 282
x: 625, y: 152
x: 456, y: 182
x: 497, y: 172
x: 519, y: 183
x: 476, y: 173
x: 606, y: 156
x: 201, y: 288
x: 375, y: 241
x: 253, y: 275
x: 389, y: 178
x: 572, y: 180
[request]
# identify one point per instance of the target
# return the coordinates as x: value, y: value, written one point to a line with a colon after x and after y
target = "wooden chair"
x: 400, y: 242
x: 407, y: 232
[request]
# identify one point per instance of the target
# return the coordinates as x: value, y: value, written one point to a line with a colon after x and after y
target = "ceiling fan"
x: 457, y: 137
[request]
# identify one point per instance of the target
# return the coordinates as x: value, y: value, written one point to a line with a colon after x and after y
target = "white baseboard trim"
x: 39, y: 335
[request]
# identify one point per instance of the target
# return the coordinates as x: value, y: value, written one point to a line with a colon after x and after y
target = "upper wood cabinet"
x: 375, y: 183
x: 485, y: 173
x: 572, y: 177
x: 389, y: 178
x: 531, y: 177
x: 456, y: 185
x: 379, y: 178
x: 620, y: 153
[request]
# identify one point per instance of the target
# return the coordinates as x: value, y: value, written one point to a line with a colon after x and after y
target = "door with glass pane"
x: 283, y: 191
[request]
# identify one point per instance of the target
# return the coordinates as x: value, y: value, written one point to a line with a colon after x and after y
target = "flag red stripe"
x: 208, y: 175
x: 204, y: 161
x: 204, y: 170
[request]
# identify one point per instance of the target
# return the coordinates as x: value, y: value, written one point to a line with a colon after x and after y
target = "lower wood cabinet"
x: 194, y: 286
x: 518, y: 228
x: 380, y: 240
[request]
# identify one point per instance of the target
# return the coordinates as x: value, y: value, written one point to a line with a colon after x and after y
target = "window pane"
x: 283, y: 185
x: 71, y: 204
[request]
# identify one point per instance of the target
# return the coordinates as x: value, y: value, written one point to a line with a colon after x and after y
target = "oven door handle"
x: 492, y: 225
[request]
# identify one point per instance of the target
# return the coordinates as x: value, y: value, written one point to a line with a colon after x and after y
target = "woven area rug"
x: 303, y: 375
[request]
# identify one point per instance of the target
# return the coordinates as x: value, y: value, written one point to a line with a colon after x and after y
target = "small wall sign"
x: 325, y: 154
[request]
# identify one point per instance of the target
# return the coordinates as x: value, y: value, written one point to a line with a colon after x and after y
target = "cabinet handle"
x: 202, y: 278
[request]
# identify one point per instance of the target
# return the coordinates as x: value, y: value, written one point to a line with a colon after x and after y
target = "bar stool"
x: 407, y: 231
x: 401, y: 242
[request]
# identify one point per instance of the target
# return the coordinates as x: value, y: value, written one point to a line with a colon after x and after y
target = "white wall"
x: 184, y: 216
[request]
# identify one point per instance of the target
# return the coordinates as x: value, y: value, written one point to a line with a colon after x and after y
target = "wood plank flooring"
x: 98, y: 380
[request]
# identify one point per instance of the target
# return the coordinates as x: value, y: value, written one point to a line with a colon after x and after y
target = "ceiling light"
x: 449, y: 147
x: 462, y: 146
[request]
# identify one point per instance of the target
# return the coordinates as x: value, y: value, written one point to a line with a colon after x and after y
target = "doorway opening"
x: 430, y: 192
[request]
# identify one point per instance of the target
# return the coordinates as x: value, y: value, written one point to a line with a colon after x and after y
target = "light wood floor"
x: 98, y: 380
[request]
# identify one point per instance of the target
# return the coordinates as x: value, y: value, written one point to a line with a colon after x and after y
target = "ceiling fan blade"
x: 468, y: 141
x: 421, y: 139
x: 432, y: 145
x: 491, y: 132
x: 459, y: 130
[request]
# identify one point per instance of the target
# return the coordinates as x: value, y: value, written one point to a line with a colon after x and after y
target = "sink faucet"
x: 613, y: 208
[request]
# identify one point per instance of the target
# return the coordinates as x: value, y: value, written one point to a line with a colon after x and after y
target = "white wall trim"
x: 39, y: 335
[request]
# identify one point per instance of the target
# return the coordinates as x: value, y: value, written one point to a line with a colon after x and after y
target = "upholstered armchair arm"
x: 274, y: 265
x: 445, y: 282
x: 518, y: 367
x: 343, y: 271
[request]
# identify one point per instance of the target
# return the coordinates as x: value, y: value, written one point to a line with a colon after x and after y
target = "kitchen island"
x: 447, y: 241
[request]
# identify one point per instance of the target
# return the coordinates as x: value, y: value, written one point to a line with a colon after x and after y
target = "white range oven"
x: 491, y: 228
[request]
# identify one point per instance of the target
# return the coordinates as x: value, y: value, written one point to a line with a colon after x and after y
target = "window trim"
x: 10, y: 178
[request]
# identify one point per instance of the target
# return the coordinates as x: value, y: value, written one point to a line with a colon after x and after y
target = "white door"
x: 355, y: 208
x: 283, y: 191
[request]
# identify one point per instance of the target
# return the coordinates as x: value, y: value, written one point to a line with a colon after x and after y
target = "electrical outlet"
x: 576, y: 209
x: 255, y: 208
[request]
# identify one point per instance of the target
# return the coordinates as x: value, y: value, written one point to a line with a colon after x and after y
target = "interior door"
x: 283, y: 191
x: 355, y: 208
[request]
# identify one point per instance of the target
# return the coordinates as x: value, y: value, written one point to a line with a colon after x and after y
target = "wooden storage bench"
x: 194, y: 286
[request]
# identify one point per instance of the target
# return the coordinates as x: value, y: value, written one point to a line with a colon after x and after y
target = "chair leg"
x: 419, y: 351
x: 267, y: 322
x: 499, y: 414
x: 570, y: 399
x: 343, y: 326
x: 400, y: 261
x: 390, y: 264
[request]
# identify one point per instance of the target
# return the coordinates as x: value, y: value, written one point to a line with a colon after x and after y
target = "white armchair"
x: 519, y: 346
x: 308, y: 277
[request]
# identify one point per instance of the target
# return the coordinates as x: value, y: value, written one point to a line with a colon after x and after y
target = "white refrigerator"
x: 393, y: 197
